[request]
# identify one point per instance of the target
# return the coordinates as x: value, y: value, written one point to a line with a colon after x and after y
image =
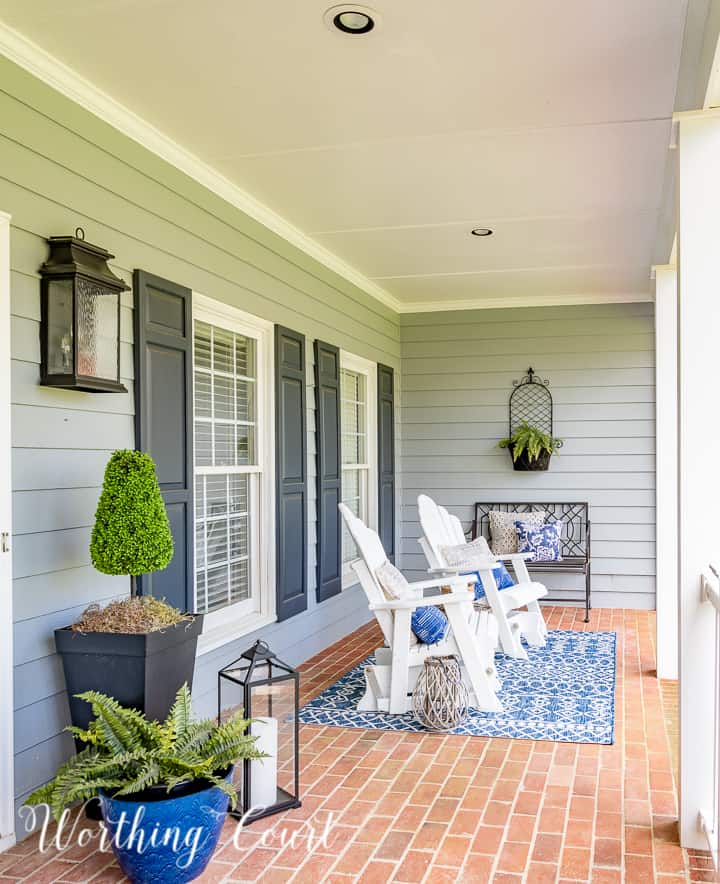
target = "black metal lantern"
x: 268, y: 691
x: 80, y: 327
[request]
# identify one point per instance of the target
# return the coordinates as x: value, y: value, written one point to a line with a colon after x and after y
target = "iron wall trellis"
x: 531, y: 401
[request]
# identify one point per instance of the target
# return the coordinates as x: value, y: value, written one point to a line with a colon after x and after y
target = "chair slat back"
x: 372, y: 555
x: 368, y: 543
x: 453, y: 527
x: 434, y: 528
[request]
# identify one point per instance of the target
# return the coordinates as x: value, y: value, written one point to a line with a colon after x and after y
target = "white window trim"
x: 368, y: 368
x: 234, y: 621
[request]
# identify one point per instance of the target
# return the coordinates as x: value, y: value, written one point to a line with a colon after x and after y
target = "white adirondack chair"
x: 440, y: 530
x: 390, y: 681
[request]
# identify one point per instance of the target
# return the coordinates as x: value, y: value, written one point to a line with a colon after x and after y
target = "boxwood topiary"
x: 131, y: 534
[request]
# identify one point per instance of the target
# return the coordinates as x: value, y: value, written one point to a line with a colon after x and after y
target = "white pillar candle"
x: 263, y: 771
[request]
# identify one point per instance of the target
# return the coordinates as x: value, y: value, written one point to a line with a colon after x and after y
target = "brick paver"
x: 443, y: 808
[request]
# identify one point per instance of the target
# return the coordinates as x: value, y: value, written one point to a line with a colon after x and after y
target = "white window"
x: 233, y: 467
x: 358, y: 447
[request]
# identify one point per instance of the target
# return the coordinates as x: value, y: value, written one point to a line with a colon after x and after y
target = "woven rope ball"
x: 440, y: 698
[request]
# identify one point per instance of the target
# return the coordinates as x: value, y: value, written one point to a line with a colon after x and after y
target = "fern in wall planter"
x: 530, y: 448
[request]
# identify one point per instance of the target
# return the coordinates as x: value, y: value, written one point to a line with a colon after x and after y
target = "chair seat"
x: 521, y: 594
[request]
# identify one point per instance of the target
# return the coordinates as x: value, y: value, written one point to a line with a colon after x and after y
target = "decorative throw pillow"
x: 542, y: 542
x: 480, y: 545
x: 466, y: 555
x: 391, y: 581
x: 502, y: 529
x: 503, y: 580
x: 429, y: 624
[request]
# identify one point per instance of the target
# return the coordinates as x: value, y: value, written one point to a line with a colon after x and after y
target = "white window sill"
x: 227, y: 632
x: 349, y: 576
x: 349, y: 580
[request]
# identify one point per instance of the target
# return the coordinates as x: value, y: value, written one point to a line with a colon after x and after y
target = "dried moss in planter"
x: 141, y: 614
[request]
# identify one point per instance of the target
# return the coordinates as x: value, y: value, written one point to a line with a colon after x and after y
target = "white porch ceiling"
x: 548, y: 122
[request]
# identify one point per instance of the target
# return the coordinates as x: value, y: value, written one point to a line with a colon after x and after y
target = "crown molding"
x: 524, y: 301
x: 63, y: 79
x: 662, y: 268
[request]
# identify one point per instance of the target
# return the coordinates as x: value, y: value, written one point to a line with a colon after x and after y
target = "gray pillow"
x: 466, y: 555
x: 391, y: 581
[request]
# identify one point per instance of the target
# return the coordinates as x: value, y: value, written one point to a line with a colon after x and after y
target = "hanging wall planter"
x: 531, y: 442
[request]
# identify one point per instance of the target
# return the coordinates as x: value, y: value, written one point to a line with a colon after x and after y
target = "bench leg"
x: 587, y: 593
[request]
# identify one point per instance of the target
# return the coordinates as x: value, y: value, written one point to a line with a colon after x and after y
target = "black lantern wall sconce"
x: 268, y: 690
x: 80, y: 319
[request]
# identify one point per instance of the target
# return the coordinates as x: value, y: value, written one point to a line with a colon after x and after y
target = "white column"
x: 7, y: 789
x: 666, y: 470
x: 699, y: 446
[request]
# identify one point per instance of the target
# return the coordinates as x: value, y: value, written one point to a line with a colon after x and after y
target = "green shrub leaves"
x: 131, y: 533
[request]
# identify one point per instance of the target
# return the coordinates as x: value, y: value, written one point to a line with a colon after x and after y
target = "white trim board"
x: 525, y: 301
x: 7, y: 787
x: 38, y: 62
x: 666, y: 471
x: 72, y: 85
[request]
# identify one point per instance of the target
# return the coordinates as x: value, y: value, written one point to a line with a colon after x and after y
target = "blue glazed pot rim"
x: 159, y: 793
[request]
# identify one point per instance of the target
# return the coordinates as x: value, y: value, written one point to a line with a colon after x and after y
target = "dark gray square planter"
x: 140, y: 671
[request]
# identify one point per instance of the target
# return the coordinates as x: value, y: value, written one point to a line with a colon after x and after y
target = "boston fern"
x: 530, y: 439
x: 126, y: 753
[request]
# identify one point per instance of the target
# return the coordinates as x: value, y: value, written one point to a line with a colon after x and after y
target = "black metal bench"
x: 575, y: 542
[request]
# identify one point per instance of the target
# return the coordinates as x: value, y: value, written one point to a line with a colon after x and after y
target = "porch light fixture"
x: 268, y: 691
x: 80, y: 317
x: 350, y: 19
x: 481, y: 231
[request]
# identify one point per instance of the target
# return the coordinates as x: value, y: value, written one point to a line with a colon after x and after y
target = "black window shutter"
x: 386, y: 459
x: 163, y: 420
x: 329, y: 487
x: 290, y: 473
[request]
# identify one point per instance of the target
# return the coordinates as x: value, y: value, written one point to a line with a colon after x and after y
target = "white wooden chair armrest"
x: 448, y: 580
x: 469, y: 570
x: 515, y: 557
x: 449, y: 598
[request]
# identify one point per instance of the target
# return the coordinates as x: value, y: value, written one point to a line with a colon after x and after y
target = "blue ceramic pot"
x: 166, y: 837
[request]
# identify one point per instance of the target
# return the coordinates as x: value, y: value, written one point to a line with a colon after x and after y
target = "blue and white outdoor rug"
x: 565, y: 692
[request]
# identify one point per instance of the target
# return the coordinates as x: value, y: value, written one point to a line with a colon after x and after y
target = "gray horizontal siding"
x: 458, y: 370
x: 60, y: 167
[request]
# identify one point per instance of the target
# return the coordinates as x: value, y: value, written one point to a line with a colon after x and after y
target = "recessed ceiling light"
x: 350, y: 19
x: 481, y: 231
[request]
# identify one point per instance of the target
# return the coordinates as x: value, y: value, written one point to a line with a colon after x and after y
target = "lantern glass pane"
x: 273, y: 712
x: 97, y: 329
x: 60, y: 327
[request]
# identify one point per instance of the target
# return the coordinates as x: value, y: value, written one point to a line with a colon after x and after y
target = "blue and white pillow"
x: 543, y: 541
x: 429, y: 624
x: 503, y: 580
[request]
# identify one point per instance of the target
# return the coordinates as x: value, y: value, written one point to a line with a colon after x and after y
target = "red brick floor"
x: 432, y: 808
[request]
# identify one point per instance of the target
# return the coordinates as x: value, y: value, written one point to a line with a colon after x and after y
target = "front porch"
x: 411, y: 808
